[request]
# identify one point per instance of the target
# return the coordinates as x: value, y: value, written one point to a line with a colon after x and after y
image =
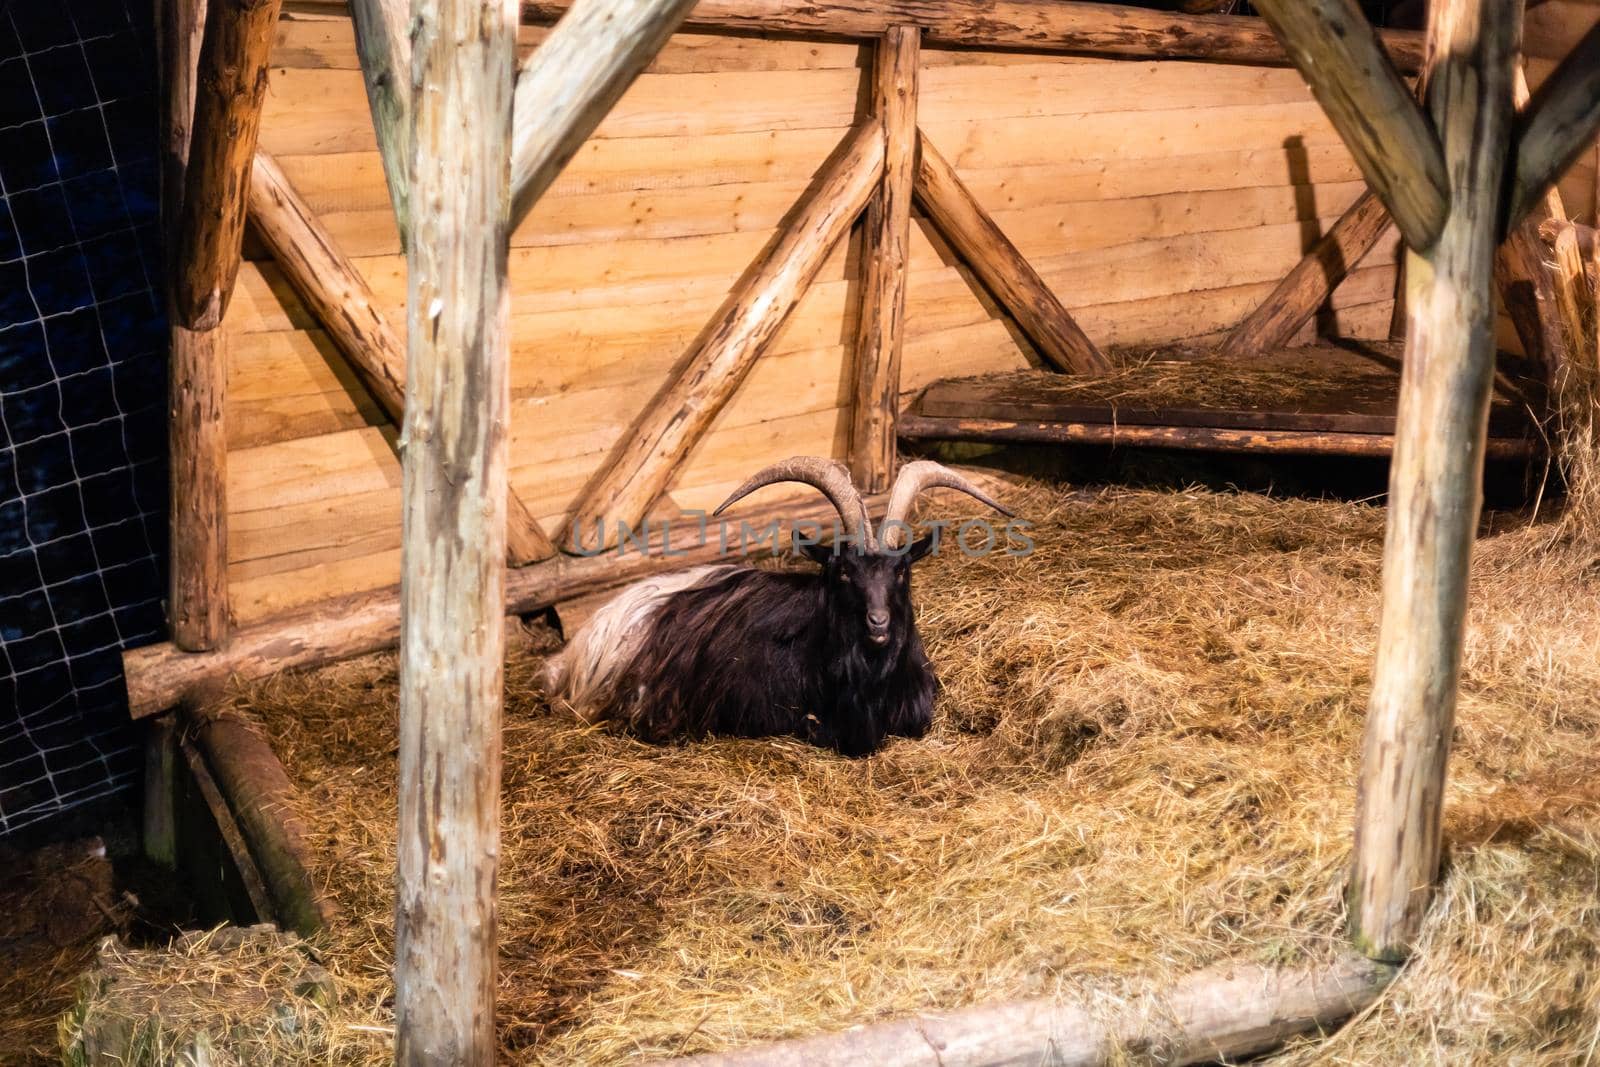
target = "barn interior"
x: 1122, y: 266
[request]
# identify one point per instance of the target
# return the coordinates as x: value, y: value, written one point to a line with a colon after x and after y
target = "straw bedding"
x: 1143, y: 761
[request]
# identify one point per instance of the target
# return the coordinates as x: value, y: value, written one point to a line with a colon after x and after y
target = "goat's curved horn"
x: 825, y: 475
x: 913, y: 479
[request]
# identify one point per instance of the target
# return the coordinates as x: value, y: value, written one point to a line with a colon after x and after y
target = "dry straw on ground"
x: 1143, y: 762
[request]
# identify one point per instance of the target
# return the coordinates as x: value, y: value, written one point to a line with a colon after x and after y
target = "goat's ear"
x: 819, y: 554
x: 919, y: 548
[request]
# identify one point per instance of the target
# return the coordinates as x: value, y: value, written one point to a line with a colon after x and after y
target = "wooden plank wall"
x: 1160, y: 200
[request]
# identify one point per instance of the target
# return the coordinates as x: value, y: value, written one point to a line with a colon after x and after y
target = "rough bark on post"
x: 572, y: 80
x: 383, y: 41
x: 1435, y: 485
x: 453, y: 510
x: 1368, y: 103
x: 885, y: 257
x: 1307, y: 287
x: 342, y: 302
x: 232, y: 79
x: 962, y: 221
x: 640, y: 466
x: 1558, y: 124
x: 197, y: 586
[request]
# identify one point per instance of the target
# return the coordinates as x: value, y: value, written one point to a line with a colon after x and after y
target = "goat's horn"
x: 825, y: 475
x: 914, y: 478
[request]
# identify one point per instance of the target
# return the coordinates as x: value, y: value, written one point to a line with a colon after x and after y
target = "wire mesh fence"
x: 82, y: 387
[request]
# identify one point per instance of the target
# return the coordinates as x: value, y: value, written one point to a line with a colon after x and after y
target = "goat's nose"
x: 878, y: 618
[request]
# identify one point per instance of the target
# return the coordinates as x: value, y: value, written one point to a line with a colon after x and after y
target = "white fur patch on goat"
x: 584, y: 672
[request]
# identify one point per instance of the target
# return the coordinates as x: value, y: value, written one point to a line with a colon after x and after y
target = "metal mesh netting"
x: 82, y: 388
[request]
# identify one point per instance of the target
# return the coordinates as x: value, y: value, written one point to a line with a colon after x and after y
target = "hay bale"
x: 216, y: 998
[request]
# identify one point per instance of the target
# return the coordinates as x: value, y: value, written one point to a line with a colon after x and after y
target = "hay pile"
x: 1143, y: 761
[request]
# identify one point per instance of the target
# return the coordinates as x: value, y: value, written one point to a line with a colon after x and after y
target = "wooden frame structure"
x: 442, y: 85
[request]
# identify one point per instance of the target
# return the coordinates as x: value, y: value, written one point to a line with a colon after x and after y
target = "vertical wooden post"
x: 452, y: 575
x: 885, y: 256
x: 197, y: 590
x: 160, y: 830
x: 1435, y: 484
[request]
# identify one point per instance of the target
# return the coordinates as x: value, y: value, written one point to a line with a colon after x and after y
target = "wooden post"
x: 340, y: 299
x: 227, y: 117
x: 572, y: 80
x: 160, y: 830
x: 1308, y: 286
x: 639, y: 468
x: 1368, y: 103
x: 453, y: 510
x: 1559, y: 123
x: 885, y: 257
x: 1435, y: 484
x: 997, y: 263
x: 197, y: 588
x: 383, y: 42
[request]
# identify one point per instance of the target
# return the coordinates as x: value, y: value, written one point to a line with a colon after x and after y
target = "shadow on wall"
x: 82, y: 388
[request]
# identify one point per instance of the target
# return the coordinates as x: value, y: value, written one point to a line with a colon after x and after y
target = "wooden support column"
x: 639, y: 467
x: 197, y: 587
x: 885, y: 257
x: 227, y: 116
x: 383, y: 42
x: 574, y: 78
x: 962, y: 221
x: 1559, y: 123
x: 453, y: 511
x: 342, y: 302
x: 1435, y: 484
x: 159, y: 832
x: 1368, y: 103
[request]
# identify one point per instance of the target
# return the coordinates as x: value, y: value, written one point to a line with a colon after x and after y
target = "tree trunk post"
x: 885, y: 256
x: 1435, y: 484
x: 383, y: 43
x: 453, y: 511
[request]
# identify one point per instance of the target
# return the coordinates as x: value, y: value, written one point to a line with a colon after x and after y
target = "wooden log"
x: 639, y: 468
x: 453, y: 531
x: 232, y: 79
x: 162, y: 676
x: 1368, y: 103
x: 337, y: 294
x: 1222, y: 1013
x: 885, y: 258
x: 383, y: 43
x: 181, y: 28
x: 243, y: 897
x: 197, y: 463
x: 1435, y: 486
x: 264, y: 806
x: 159, y: 833
x: 962, y: 221
x: 571, y: 81
x: 914, y: 427
x: 1557, y: 125
x: 1031, y: 25
x: 1308, y: 286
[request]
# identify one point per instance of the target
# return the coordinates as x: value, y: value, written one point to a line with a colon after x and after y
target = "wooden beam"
x: 962, y: 221
x: 1435, y: 484
x: 639, y: 467
x: 1559, y: 123
x: 159, y: 830
x: 1029, y: 25
x: 161, y: 676
x: 573, y: 79
x: 453, y: 531
x: 232, y: 78
x: 1308, y: 286
x: 1368, y: 103
x: 383, y: 43
x: 197, y: 455
x: 914, y: 427
x: 1223, y: 1013
x: 885, y: 258
x: 342, y: 302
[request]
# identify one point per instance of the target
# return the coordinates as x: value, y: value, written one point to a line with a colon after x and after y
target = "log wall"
x: 1161, y: 201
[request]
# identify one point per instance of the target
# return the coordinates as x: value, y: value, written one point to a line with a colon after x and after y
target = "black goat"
x: 832, y: 656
